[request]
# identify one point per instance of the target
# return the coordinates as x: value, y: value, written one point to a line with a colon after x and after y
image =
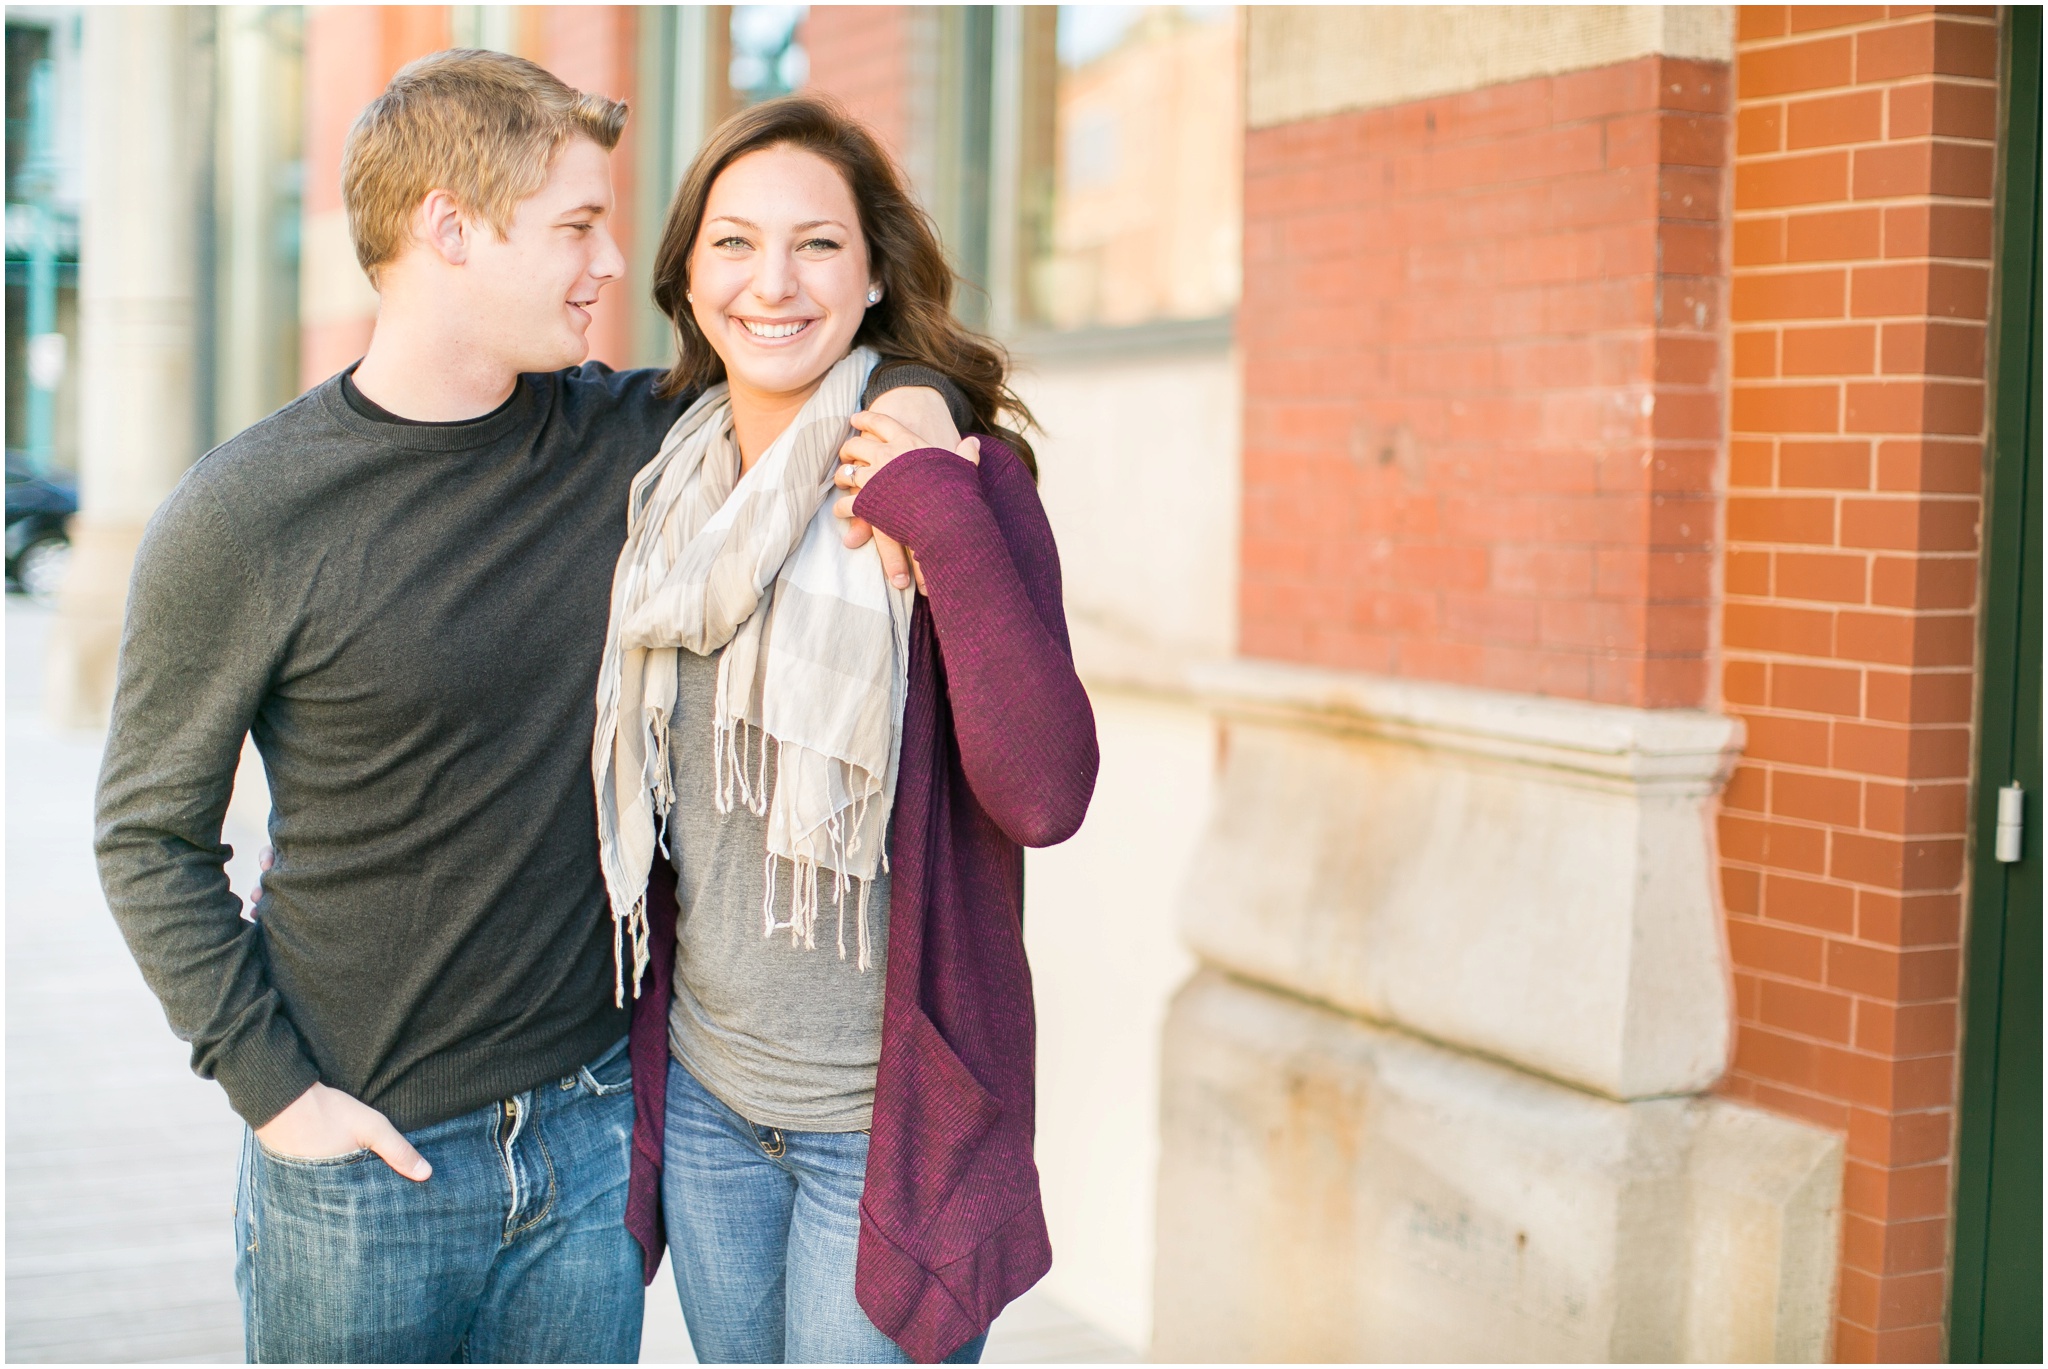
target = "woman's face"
x: 779, y: 273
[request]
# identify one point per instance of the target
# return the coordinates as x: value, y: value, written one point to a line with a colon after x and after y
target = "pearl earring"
x: 689, y: 298
x: 874, y: 294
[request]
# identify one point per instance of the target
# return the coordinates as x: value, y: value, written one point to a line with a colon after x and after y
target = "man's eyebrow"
x: 596, y: 209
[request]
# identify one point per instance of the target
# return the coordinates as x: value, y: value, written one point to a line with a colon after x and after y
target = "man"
x: 398, y: 585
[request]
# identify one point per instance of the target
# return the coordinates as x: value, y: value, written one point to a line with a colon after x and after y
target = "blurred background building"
x: 1550, y: 507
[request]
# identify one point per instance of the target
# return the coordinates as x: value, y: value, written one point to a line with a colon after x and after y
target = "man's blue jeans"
x: 516, y: 1250
x: 763, y: 1227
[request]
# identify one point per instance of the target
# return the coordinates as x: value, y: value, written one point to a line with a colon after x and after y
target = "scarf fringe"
x: 633, y: 927
x: 843, y: 841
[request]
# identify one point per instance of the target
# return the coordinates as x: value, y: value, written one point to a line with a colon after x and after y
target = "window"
x: 767, y: 60
x: 1137, y: 217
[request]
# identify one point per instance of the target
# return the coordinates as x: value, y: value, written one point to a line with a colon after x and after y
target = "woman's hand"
x: 922, y: 410
x: 879, y: 439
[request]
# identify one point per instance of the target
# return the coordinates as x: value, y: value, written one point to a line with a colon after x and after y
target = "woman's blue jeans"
x: 515, y: 1251
x: 763, y: 1226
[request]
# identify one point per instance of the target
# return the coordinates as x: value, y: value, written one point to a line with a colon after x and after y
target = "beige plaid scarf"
x: 816, y: 651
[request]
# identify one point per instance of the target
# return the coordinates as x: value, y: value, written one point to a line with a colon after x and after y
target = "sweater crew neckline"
x: 464, y: 435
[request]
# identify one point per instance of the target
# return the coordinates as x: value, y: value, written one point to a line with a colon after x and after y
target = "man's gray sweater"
x: 408, y: 620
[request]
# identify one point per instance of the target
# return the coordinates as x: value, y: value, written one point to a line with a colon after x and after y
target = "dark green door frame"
x: 1995, y: 1295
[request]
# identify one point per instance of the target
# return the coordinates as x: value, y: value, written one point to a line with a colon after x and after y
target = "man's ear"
x: 443, y: 227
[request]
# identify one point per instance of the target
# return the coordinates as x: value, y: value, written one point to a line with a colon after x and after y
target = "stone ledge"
x: 1666, y: 750
x: 1671, y: 750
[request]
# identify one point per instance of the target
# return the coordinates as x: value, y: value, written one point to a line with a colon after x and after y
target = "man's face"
x: 532, y: 290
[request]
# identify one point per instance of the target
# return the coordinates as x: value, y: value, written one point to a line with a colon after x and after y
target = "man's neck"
x: 419, y: 371
x: 758, y: 417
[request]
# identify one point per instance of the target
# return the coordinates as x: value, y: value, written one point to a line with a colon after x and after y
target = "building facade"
x: 1543, y: 498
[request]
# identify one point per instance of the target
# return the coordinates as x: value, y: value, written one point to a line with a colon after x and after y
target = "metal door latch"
x: 2012, y: 822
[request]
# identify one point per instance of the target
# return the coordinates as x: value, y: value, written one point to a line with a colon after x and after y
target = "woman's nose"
x: 775, y: 277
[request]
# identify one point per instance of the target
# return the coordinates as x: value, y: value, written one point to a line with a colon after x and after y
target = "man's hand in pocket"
x: 324, y: 1122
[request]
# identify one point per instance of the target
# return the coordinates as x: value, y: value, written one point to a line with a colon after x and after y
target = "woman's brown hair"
x: 913, y: 322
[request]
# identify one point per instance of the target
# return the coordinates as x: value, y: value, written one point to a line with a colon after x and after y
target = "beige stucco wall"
x: 1138, y: 458
x: 1303, y: 61
x: 1098, y: 925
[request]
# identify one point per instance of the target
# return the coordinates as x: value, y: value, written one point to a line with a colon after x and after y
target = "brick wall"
x: 1483, y: 384
x: 861, y: 55
x: 351, y: 51
x: 592, y: 48
x: 1861, y: 266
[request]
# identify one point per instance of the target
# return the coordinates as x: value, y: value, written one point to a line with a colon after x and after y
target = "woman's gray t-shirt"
x: 784, y: 1036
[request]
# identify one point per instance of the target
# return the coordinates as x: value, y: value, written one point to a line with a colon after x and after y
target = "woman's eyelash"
x: 827, y: 243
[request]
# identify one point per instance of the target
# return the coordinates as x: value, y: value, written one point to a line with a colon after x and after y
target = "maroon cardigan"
x: 998, y: 753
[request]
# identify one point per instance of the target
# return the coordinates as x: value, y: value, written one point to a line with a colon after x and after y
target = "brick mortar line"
x: 1834, y: 1101
x: 1926, y: 197
x: 1837, y: 1044
x: 1893, y: 610
x: 1786, y: 977
x: 1862, y: 1107
x: 1764, y: 270
x: 1929, y: 1110
x: 1778, y: 765
x: 1846, y: 939
x: 1765, y: 815
x: 1780, y: 41
x: 1774, y: 711
x: 1922, y: 378
x: 1787, y: 154
x: 1854, y: 87
x: 1788, y: 981
x: 1876, y: 202
x: 1839, y: 378
x: 1741, y: 1076
x: 1881, y: 87
x: 1866, y: 1054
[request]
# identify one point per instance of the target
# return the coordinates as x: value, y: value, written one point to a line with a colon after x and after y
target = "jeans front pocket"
x: 349, y: 1157
x: 344, y: 1260
x: 610, y: 1073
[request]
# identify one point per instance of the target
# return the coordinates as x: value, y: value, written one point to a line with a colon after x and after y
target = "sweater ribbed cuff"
x: 263, y: 1069
x: 900, y: 375
x: 908, y: 498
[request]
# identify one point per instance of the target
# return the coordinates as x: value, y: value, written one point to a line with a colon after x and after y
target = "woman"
x: 841, y: 1135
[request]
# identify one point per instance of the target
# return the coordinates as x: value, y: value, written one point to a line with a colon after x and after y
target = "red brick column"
x: 1483, y: 384
x: 1862, y: 244
x: 351, y: 51
x: 592, y: 48
x: 860, y: 56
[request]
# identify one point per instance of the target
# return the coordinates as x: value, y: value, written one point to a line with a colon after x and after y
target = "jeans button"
x: 568, y: 1082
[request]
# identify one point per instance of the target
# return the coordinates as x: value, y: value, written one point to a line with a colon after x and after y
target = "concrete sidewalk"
x: 120, y: 1163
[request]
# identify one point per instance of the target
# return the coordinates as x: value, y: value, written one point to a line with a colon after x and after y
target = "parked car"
x: 38, y: 546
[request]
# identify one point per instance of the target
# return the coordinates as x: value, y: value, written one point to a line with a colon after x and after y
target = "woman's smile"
x: 774, y: 330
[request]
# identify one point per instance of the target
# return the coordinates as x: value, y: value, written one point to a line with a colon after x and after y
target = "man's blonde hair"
x: 483, y: 126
